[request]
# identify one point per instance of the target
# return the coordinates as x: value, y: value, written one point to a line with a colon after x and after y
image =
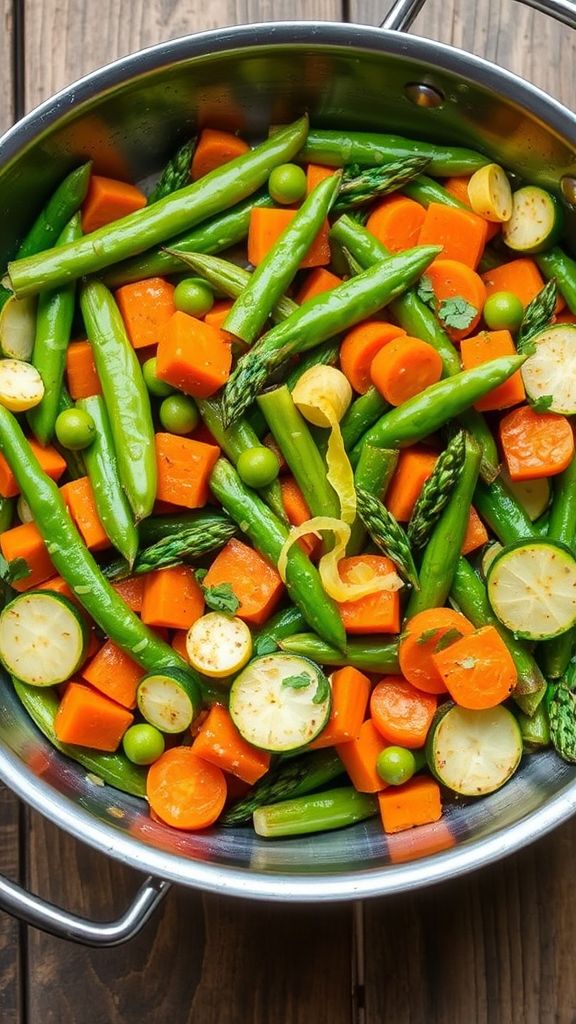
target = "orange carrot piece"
x: 115, y: 674
x: 25, y: 542
x: 417, y: 802
x: 59, y: 586
x: 193, y: 356
x: 317, y: 282
x: 216, y: 316
x: 359, y: 758
x: 219, y: 742
x: 81, y: 375
x: 565, y: 318
x: 298, y: 512
x: 478, y: 670
x: 414, y: 467
x: 404, y: 368
x: 522, y: 277
x: 214, y: 149
x: 458, y: 187
x: 131, y: 591
x: 184, y: 466
x: 86, y: 718
x: 266, y: 226
x: 451, y: 279
x: 178, y: 642
x: 315, y: 173
x: 396, y: 222
x: 377, y: 613
x: 79, y: 499
x: 419, y: 641
x: 401, y: 713
x: 535, y: 444
x: 412, y: 844
x: 476, y: 533
x: 172, y: 597
x: 350, y: 696
x: 482, y: 348
x: 185, y: 791
x: 146, y: 308
x: 254, y: 581
x: 359, y: 348
x: 50, y: 461
x: 108, y: 200
x: 462, y: 234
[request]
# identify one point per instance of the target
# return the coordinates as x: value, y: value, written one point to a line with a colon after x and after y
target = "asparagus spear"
x: 436, y: 491
x: 187, y: 543
x: 538, y: 314
x: 387, y: 534
x: 319, y: 813
x: 361, y: 186
x: 292, y: 778
x: 562, y: 713
x: 176, y: 174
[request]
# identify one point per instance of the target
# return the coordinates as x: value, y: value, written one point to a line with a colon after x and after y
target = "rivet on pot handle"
x: 403, y: 12
x: 40, y: 914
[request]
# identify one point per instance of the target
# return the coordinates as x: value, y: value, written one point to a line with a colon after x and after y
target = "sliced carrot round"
x: 184, y: 791
x: 360, y: 346
x: 535, y: 444
x: 396, y: 222
x: 401, y: 713
x: 424, y: 635
x: 478, y: 670
x: 404, y: 368
x: 451, y: 279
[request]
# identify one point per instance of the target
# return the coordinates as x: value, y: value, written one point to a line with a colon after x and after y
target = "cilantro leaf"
x: 543, y: 403
x: 425, y: 291
x: 450, y: 637
x: 200, y: 574
x: 427, y: 635
x: 299, y: 682
x: 457, y: 313
x: 221, y: 598
x: 322, y: 691
x: 17, y: 569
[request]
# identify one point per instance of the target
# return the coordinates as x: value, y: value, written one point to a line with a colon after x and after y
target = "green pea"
x: 287, y: 184
x: 158, y: 388
x: 258, y: 466
x: 503, y: 311
x: 396, y: 765
x: 193, y: 296
x: 75, y: 429
x: 179, y: 414
x: 143, y: 744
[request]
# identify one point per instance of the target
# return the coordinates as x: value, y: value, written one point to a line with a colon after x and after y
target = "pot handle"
x: 403, y: 12
x: 35, y: 911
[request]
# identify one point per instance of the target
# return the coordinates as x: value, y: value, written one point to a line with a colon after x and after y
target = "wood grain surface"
x: 493, y: 948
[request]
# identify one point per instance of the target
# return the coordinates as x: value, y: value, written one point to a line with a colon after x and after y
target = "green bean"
x: 276, y: 271
x: 212, y: 236
x: 292, y: 435
x: 286, y: 622
x: 362, y: 415
x: 535, y: 730
x: 268, y: 535
x: 111, y: 503
x: 426, y: 190
x: 53, y: 325
x: 556, y: 264
x: 231, y: 279
x: 125, y: 394
x: 441, y: 554
x: 337, y: 148
x: 321, y: 812
x: 7, y: 508
x: 369, y: 654
x: 217, y: 191
x: 503, y: 514
x: 373, y: 474
x: 555, y: 654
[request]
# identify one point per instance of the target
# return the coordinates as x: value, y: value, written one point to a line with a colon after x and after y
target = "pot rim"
x: 77, y: 821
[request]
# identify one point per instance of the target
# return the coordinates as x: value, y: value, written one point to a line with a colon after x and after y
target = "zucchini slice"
x: 18, y: 328
x: 21, y: 386
x: 43, y: 638
x: 533, y: 495
x: 490, y: 193
x: 488, y: 556
x: 280, y: 702
x: 170, y: 700
x: 218, y: 645
x: 536, y: 222
x: 532, y: 588
x: 549, y: 373
x: 473, y: 753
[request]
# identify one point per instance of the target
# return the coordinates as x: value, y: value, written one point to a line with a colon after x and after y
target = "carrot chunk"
x: 535, y: 444
x: 59, y: 586
x: 79, y: 499
x: 396, y: 222
x: 414, y: 467
x: 267, y: 225
x: 214, y: 149
x: 146, y: 308
x: 184, y: 467
x: 478, y: 670
x: 50, y: 461
x: 521, y: 277
x: 461, y: 234
x: 185, y: 791
x: 298, y: 512
x: 401, y: 713
x: 360, y: 346
x: 216, y: 316
x: 178, y: 642
x: 458, y: 187
x: 451, y: 279
x: 377, y: 613
x: 115, y: 674
x: 350, y: 696
x: 81, y: 374
x: 26, y: 542
x: 317, y: 282
x: 172, y: 598
x: 193, y: 356
x: 108, y: 200
x: 359, y: 758
x: 417, y: 802
x: 131, y: 591
x: 219, y: 742
x: 476, y: 533
x: 404, y: 368
x: 481, y: 349
x: 422, y: 636
x: 254, y: 581
x: 88, y: 719
x: 315, y: 173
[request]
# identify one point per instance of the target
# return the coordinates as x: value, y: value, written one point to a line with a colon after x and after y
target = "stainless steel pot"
x: 127, y: 118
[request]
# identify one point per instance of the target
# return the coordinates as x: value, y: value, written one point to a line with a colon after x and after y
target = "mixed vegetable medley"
x: 288, y: 534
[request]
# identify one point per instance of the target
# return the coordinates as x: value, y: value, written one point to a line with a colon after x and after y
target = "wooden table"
x: 497, y: 946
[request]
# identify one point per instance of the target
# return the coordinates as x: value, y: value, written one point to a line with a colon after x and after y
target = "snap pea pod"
x: 322, y: 812
x: 231, y: 279
x: 441, y: 554
x: 74, y: 461
x: 111, y: 503
x: 215, y: 235
x: 286, y: 622
x: 114, y: 769
x: 73, y: 561
x: 233, y: 440
x: 426, y: 190
x: 373, y: 474
x: 176, y: 173
x: 292, y: 778
x: 294, y: 439
x: 321, y: 318
x: 503, y: 514
x: 432, y: 408
x: 334, y: 148
x: 369, y: 654
x: 362, y: 415
x: 555, y: 654
x: 276, y: 271
x: 268, y: 535
x: 469, y: 593
x: 53, y: 325
x: 217, y: 191
x: 125, y: 394
x: 535, y: 730
x: 556, y: 264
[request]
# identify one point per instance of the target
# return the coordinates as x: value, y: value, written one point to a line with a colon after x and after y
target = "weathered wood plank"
x: 6, y: 65
x: 11, y: 934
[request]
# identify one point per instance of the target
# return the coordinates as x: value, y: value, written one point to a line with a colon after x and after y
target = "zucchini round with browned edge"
x: 536, y: 222
x: 169, y: 699
x: 473, y: 753
x: 532, y: 588
x: 549, y: 373
x: 43, y: 638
